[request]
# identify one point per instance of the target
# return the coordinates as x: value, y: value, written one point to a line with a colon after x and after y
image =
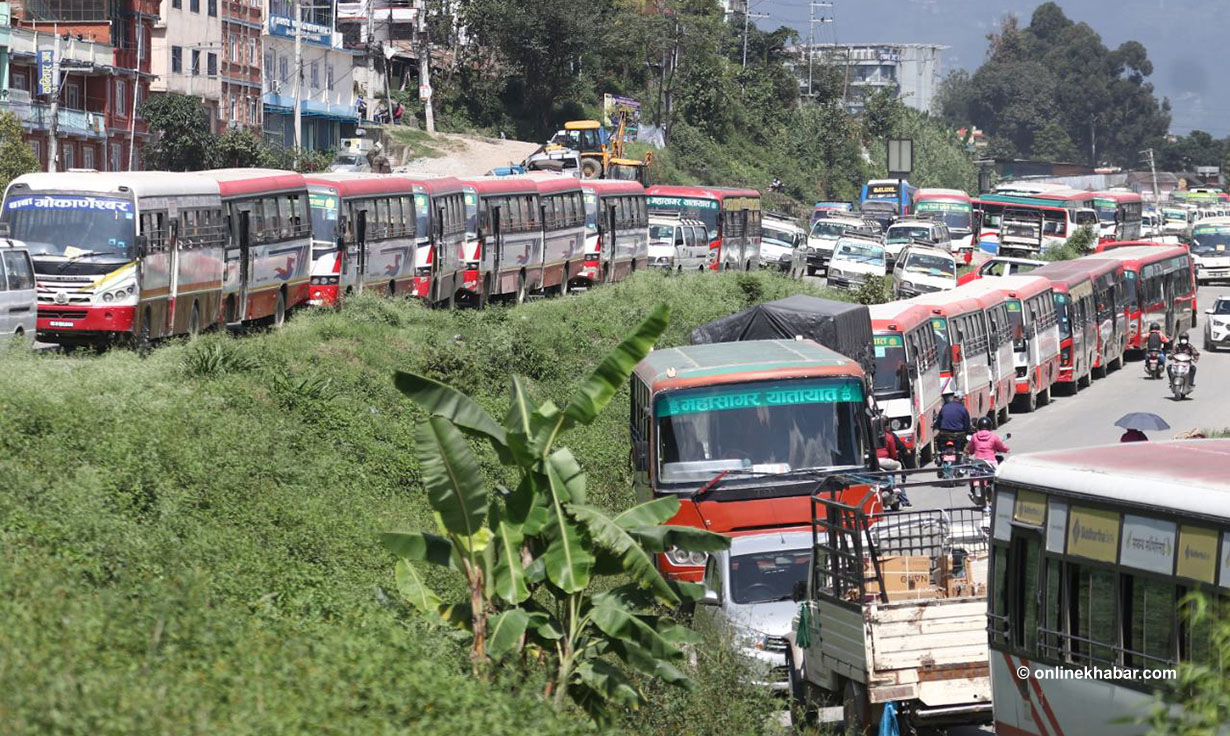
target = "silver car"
x: 749, y: 591
x: 1217, y: 325
x: 18, y: 298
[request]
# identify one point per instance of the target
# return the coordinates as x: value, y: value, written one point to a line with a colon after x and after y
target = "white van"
x: 921, y: 269
x: 916, y: 230
x: 823, y: 238
x: 779, y: 239
x: 678, y: 244
x: 18, y: 297
x: 854, y: 261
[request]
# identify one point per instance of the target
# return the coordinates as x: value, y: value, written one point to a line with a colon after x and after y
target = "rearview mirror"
x: 1207, y: 311
x: 710, y: 598
x: 4, y: 230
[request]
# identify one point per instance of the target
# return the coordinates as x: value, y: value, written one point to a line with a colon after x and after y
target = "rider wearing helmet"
x: 1185, y: 346
x: 985, y: 443
x: 953, y: 419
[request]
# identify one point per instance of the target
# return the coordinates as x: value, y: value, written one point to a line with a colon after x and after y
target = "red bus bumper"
x: 421, y: 287
x: 322, y: 296
x: 591, y: 271
x: 471, y: 280
x: 59, y: 324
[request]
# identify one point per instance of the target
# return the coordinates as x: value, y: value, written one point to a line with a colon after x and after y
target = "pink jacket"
x: 984, y: 444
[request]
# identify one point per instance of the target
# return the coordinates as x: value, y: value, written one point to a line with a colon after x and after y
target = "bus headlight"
x: 108, y: 297
x: 683, y: 558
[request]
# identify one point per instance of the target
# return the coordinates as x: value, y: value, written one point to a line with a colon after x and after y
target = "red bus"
x: 1110, y: 297
x: 730, y: 427
x: 1119, y: 214
x: 907, y: 377
x: 616, y: 230
x: 440, y: 229
x: 955, y: 208
x: 1076, y: 310
x: 509, y: 237
x: 562, y: 204
x: 997, y: 309
x: 269, y: 253
x: 362, y: 235
x: 964, y: 347
x: 732, y: 217
x: 472, y: 280
x: 1160, y: 285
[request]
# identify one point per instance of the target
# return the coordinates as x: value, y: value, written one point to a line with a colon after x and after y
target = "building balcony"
x: 36, y: 116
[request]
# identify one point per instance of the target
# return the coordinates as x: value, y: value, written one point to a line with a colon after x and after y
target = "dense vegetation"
x: 1053, y: 91
x: 523, y: 67
x: 16, y: 156
x: 189, y: 543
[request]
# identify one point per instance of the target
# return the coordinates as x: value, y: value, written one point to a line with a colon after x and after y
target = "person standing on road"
x: 1133, y: 435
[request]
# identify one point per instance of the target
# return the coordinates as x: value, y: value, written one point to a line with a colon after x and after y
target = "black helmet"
x: 1183, y: 338
x: 1154, y: 326
x: 984, y: 422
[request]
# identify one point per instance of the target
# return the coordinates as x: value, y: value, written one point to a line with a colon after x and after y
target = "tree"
x: 16, y: 156
x: 531, y: 556
x: 1197, y: 703
x: 1053, y: 144
x: 180, y: 127
x: 239, y: 149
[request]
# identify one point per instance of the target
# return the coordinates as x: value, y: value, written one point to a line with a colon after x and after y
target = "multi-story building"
x: 104, y: 59
x: 326, y: 86
x: 911, y: 70
x: 383, y: 34
x: 186, y: 46
x: 241, y: 63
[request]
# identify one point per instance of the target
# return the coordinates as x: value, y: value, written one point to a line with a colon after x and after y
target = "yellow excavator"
x: 601, y: 153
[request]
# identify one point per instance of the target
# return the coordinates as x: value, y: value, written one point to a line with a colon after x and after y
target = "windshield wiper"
x: 716, y: 480
x: 74, y: 259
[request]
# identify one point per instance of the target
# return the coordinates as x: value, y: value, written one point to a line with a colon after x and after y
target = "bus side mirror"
x: 640, y: 455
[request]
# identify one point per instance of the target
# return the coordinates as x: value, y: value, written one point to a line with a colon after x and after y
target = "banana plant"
x: 530, y: 555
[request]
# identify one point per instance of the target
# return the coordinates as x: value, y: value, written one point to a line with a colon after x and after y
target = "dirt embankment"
x: 449, y: 154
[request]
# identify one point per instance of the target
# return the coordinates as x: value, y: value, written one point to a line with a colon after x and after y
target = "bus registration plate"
x: 55, y: 323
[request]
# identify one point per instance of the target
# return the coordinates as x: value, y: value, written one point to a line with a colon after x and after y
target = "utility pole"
x: 425, y: 92
x: 53, y: 143
x: 1153, y: 170
x: 132, y: 119
x: 812, y: 20
x: 298, y: 81
x: 747, y: 15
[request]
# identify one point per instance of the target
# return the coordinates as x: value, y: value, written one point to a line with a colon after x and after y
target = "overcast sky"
x: 1185, y: 38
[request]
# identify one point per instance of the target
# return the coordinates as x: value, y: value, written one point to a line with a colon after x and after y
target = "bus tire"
x: 1004, y: 415
x: 1027, y: 403
x: 194, y: 320
x: 279, y: 310
x: 1044, y: 397
x: 392, y: 288
x: 1086, y: 380
x: 855, y: 709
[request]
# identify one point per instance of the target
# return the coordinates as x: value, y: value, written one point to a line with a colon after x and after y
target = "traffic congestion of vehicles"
x: 771, y: 425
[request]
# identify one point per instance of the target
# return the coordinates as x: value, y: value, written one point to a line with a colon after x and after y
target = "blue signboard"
x: 280, y: 25
x: 46, y: 71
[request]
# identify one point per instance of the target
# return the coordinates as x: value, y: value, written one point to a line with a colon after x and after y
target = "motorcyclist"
x: 892, y: 457
x: 1156, y: 342
x: 984, y: 444
x: 1185, y: 346
x: 953, y: 420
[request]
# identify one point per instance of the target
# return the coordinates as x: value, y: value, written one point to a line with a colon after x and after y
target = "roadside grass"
x: 188, y: 542
x: 418, y: 143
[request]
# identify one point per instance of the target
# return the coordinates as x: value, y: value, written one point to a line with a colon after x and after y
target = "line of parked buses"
x: 150, y: 255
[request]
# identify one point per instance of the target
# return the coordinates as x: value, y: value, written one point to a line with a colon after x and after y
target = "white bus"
x: 1092, y: 550
x: 120, y: 255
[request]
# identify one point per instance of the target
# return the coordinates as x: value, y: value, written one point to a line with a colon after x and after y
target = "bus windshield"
x: 1106, y: 210
x: 1211, y: 239
x: 471, y: 202
x: 422, y: 211
x: 73, y: 226
x: 931, y: 265
x: 324, y: 217
x: 772, y: 426
x: 1016, y: 323
x: 591, y: 214
x: 956, y: 215
x: 892, y: 371
x: 1064, y: 313
x: 907, y: 234
x: 689, y: 208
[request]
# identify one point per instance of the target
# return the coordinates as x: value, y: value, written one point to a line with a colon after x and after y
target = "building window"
x: 69, y: 158
x: 213, y: 8
x: 234, y: 108
x: 141, y: 45
x: 194, y: 6
x: 315, y: 75
x: 329, y: 76
x: 234, y: 55
x: 196, y: 62
x: 283, y: 69
x: 20, y: 81
x: 87, y: 156
x: 212, y: 65
x: 252, y: 118
x: 177, y: 4
x: 253, y: 58
x: 269, y: 64
x: 72, y: 96
x: 117, y: 157
x: 120, y: 96
x: 37, y: 147
x: 177, y: 59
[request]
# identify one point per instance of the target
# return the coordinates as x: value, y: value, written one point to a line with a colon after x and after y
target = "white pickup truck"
x: 895, y: 611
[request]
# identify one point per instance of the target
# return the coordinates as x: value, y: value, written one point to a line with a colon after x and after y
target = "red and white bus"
x: 964, y: 347
x: 995, y: 307
x: 616, y: 230
x: 1119, y: 214
x: 1076, y: 310
x: 269, y: 251
x: 472, y: 280
x: 562, y: 204
x: 732, y: 217
x: 1034, y: 329
x: 362, y: 235
x: 509, y: 236
x: 955, y: 208
x: 119, y: 256
x: 440, y: 229
x: 1024, y: 229
x: 1110, y: 297
x: 1160, y: 281
x: 907, y: 377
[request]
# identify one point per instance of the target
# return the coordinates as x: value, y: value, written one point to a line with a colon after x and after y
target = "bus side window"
x: 1148, y: 608
x: 1091, y: 614
x: 999, y: 622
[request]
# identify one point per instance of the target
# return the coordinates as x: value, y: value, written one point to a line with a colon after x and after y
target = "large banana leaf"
x: 454, y: 482
x: 650, y: 513
x: 569, y: 470
x: 412, y: 588
x: 609, y: 682
x: 421, y: 547
x: 633, y: 557
x: 517, y: 423
x: 617, y: 622
x: 505, y: 631
x: 446, y: 401
x: 568, y: 562
x: 508, y: 576
x: 659, y: 538
x: 596, y: 391
x: 642, y: 661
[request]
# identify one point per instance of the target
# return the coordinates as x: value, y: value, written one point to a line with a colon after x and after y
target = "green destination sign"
x: 676, y: 203
x: 931, y: 205
x: 889, y: 341
x: 1013, y: 305
x: 751, y: 397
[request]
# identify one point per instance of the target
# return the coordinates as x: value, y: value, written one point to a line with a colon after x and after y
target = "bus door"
x: 240, y: 310
x: 360, y: 235
x: 168, y: 327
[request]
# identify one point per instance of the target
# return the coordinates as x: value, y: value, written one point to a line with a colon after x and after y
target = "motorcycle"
x: 980, y: 488
x: 1180, y: 369
x: 950, y: 456
x: 1153, y: 364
